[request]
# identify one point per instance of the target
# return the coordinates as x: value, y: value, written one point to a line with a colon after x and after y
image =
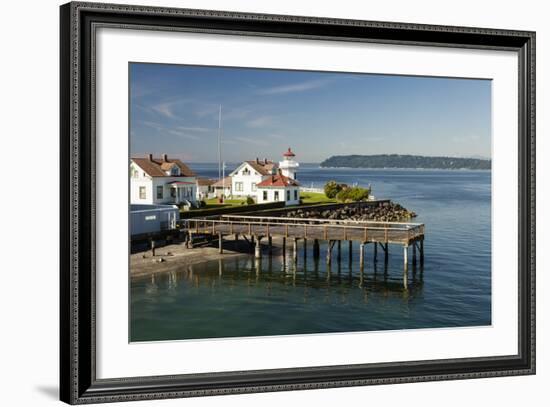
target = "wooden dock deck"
x: 324, y: 229
x: 256, y: 228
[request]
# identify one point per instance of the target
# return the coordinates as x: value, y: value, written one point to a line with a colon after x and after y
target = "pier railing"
x: 306, y: 228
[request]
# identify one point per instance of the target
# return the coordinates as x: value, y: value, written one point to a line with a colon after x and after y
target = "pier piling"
x: 405, y: 266
x: 362, y: 256
x: 295, y: 250
x: 316, y: 250
x: 220, y: 242
x: 258, y: 249
x: 330, y: 244
x: 152, y: 242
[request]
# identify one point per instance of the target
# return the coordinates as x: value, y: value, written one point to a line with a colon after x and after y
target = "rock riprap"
x: 382, y: 212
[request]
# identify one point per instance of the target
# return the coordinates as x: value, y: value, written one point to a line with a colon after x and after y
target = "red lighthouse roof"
x: 289, y: 153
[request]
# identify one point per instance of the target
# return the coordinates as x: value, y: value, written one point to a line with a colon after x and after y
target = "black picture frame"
x: 78, y: 382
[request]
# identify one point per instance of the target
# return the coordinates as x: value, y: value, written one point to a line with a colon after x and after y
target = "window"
x: 246, y: 171
x: 142, y: 193
x: 265, y: 195
x: 173, y: 192
x: 276, y: 195
x: 288, y: 195
x: 175, y: 170
x: 295, y: 194
x: 238, y: 186
x: 160, y: 192
x: 134, y: 172
x: 254, y: 186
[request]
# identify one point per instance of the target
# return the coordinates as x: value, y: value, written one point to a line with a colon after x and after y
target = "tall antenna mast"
x: 220, y: 144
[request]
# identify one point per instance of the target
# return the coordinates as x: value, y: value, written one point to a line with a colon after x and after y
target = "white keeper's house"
x: 246, y: 177
x: 267, y: 181
x: 281, y: 186
x: 161, y: 181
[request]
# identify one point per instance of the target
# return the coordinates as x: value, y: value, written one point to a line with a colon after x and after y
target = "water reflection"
x: 269, y: 271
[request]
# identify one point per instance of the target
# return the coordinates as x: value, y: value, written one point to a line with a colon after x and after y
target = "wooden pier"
x: 404, y: 234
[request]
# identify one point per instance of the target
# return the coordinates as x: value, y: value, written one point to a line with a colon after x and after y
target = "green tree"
x: 332, y: 188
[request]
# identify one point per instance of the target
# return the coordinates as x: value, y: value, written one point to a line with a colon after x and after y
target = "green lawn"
x: 308, y: 198
x: 213, y: 203
x: 315, y: 197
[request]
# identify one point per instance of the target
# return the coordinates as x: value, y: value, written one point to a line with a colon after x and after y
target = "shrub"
x: 332, y: 188
x: 353, y: 194
x: 249, y: 200
x: 202, y: 204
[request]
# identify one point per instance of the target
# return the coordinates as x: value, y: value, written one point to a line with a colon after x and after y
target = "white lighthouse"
x: 288, y: 166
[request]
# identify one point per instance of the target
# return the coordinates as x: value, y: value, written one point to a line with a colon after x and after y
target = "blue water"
x: 238, y: 297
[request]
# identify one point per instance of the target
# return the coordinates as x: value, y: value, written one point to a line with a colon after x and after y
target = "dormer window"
x: 246, y: 171
x: 173, y: 171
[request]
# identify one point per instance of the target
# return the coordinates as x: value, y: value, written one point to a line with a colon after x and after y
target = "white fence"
x: 152, y: 218
x: 312, y: 189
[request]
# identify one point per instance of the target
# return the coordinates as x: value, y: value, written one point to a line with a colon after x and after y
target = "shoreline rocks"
x: 383, y: 212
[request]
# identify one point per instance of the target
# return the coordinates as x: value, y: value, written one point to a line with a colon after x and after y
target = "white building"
x: 222, y: 187
x: 246, y: 177
x: 205, y: 189
x: 288, y: 166
x: 277, y: 188
x: 281, y: 186
x: 161, y: 181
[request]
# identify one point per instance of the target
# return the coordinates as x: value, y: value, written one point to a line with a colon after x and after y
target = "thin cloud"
x: 183, y: 134
x: 295, y: 87
x: 251, y: 140
x: 165, y: 109
x: 195, y: 129
x: 261, y: 121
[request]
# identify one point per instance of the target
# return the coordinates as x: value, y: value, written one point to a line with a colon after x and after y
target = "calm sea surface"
x: 234, y: 298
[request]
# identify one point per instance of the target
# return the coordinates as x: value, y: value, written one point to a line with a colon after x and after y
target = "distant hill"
x: 405, y: 161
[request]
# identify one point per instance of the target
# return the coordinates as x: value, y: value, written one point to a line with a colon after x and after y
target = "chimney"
x: 165, y: 157
x: 265, y: 161
x: 150, y: 157
x: 257, y: 160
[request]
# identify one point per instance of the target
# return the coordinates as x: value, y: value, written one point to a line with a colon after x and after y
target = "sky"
x: 174, y: 109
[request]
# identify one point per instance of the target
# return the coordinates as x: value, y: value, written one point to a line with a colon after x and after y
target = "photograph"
x: 268, y: 202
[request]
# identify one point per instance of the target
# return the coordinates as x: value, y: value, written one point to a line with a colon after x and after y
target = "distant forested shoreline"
x: 406, y: 161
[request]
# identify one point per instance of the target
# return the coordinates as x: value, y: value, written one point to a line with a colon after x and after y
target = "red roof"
x: 289, y: 153
x: 278, y: 180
